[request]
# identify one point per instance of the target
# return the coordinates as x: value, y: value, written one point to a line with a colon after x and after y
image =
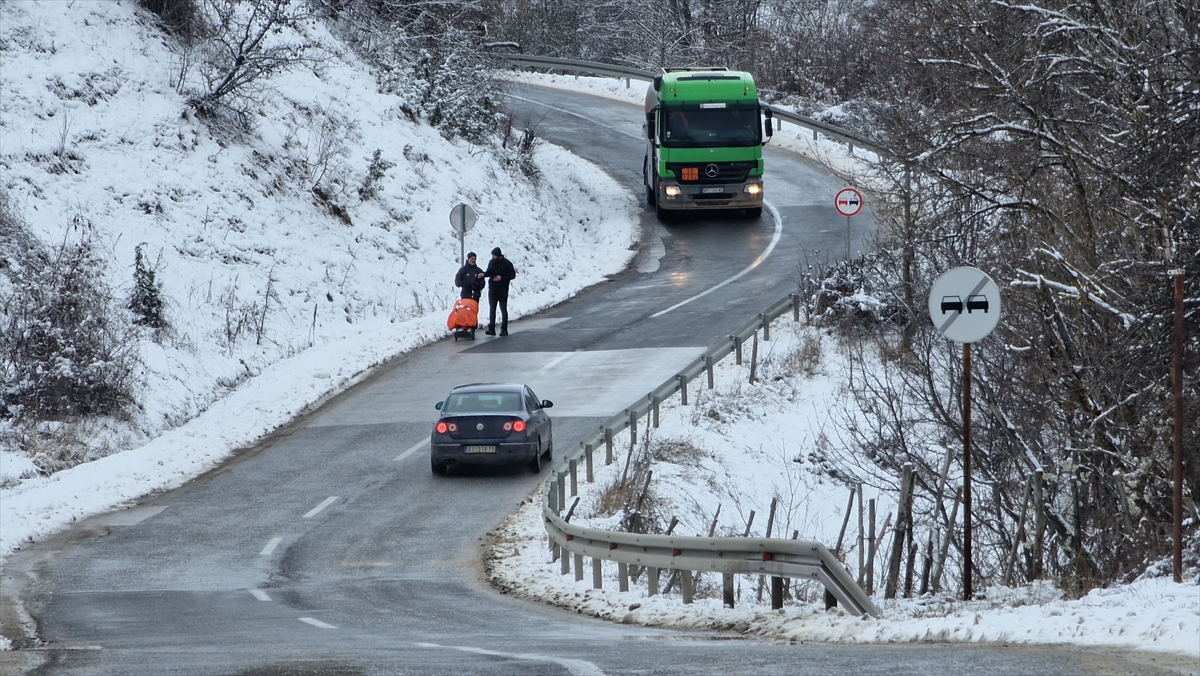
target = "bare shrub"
x: 66, y: 347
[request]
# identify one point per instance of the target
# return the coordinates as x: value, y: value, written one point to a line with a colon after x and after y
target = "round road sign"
x: 848, y: 202
x: 964, y: 305
x: 462, y: 218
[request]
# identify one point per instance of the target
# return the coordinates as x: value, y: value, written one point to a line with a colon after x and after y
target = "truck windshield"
x: 702, y: 128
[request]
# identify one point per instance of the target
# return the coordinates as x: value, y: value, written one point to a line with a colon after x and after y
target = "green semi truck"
x: 704, y: 135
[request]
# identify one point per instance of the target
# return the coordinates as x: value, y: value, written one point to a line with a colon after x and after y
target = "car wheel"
x: 550, y: 450
x: 438, y: 468
x: 535, y: 465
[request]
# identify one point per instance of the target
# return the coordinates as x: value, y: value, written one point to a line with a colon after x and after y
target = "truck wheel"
x: 650, y: 196
x: 661, y: 213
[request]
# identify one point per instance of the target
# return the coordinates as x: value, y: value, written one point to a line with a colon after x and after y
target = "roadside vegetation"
x: 1053, y: 145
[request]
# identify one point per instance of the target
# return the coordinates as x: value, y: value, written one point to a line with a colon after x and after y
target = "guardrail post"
x: 766, y: 326
x: 654, y: 403
x: 632, y: 427
x: 652, y: 581
x: 737, y: 347
x: 587, y: 452
x: 579, y: 567
x: 708, y: 366
x: 795, y: 307
x: 776, y: 593
x: 562, y: 491
x: 685, y: 585
x: 608, y: 450
x: 682, y: 390
x: 566, y: 561
x: 814, y: 134
x: 552, y: 498
x: 623, y: 576
x: 727, y: 589
x: 597, y: 574
x: 574, y: 477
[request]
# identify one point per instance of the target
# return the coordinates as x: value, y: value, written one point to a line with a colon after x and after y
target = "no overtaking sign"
x: 965, y: 305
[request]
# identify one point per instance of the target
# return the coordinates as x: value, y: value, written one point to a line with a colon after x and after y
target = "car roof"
x: 489, y: 387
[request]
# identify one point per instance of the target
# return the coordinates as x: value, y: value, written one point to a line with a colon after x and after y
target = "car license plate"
x: 480, y: 449
x: 711, y: 191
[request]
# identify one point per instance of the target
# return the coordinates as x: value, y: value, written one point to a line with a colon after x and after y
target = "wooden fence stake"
x: 1019, y: 532
x: 936, y: 583
x: 770, y: 524
x: 893, y: 578
x: 871, y: 547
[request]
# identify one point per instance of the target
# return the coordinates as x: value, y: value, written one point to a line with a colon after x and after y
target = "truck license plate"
x: 480, y: 449
x: 710, y: 191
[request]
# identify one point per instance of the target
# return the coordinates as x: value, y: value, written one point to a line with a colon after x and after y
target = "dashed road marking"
x: 317, y: 510
x: 416, y: 447
x: 271, y: 545
x: 317, y: 623
x: 260, y: 595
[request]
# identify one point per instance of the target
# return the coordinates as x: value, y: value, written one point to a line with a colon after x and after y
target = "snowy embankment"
x: 737, y: 446
x: 748, y: 443
x: 275, y: 301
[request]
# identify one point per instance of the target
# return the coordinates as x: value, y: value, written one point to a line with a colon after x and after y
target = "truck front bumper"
x: 676, y: 196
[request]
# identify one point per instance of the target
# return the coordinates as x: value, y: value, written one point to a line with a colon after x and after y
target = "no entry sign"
x: 848, y: 202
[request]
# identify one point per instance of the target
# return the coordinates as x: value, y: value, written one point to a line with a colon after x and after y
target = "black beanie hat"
x: 471, y: 255
x: 496, y: 252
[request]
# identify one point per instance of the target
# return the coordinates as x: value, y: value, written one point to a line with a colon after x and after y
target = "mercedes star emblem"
x: 711, y: 171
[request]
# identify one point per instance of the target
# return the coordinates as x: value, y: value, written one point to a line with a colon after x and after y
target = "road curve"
x: 331, y: 549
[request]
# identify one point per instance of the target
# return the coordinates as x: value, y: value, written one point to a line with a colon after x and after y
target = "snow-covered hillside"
x: 259, y: 275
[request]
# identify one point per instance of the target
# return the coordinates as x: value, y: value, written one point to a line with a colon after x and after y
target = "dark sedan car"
x: 491, y: 424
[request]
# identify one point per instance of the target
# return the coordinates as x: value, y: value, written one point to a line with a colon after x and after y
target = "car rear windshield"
x: 483, y: 402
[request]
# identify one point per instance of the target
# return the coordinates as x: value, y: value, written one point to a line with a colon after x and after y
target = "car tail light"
x: 452, y: 426
x: 514, y: 426
x: 443, y: 427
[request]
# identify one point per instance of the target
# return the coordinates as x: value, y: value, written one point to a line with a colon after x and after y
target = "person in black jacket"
x: 470, y: 279
x: 499, y: 273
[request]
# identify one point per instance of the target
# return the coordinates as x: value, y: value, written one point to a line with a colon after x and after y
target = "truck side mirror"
x: 768, y: 118
x: 650, y: 127
x: 657, y: 83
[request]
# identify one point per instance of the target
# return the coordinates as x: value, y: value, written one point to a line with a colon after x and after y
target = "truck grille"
x: 712, y: 172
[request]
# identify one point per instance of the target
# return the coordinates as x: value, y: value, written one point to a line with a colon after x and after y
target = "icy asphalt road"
x: 330, y: 549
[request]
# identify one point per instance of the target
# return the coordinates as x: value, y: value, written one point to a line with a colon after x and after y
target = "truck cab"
x: 704, y: 132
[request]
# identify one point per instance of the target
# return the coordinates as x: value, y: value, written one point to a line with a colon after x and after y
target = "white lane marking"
x: 317, y: 623
x: 260, y: 595
x: 317, y: 510
x: 271, y: 545
x: 573, y: 667
x: 574, y: 114
x: 558, y: 360
x: 757, y: 261
x: 416, y: 447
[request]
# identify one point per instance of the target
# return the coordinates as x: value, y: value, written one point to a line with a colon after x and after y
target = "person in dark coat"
x: 470, y: 279
x: 499, y: 273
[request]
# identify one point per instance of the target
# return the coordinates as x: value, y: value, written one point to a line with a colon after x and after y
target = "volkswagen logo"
x: 711, y: 171
x: 479, y: 426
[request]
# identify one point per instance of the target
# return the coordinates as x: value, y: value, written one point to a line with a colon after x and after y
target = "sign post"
x: 848, y: 202
x: 964, y: 306
x: 462, y: 219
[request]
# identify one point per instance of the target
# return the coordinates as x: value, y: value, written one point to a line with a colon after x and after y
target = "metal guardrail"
x: 609, y: 70
x: 760, y: 556
x: 757, y: 556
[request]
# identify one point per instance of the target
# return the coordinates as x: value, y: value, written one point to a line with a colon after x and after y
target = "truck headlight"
x: 672, y: 191
x: 754, y: 188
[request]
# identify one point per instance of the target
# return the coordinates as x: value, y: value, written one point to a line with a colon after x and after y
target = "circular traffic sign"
x: 848, y: 201
x: 462, y: 218
x: 964, y: 305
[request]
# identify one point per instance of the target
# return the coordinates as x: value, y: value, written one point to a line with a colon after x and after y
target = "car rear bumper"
x: 507, y: 452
